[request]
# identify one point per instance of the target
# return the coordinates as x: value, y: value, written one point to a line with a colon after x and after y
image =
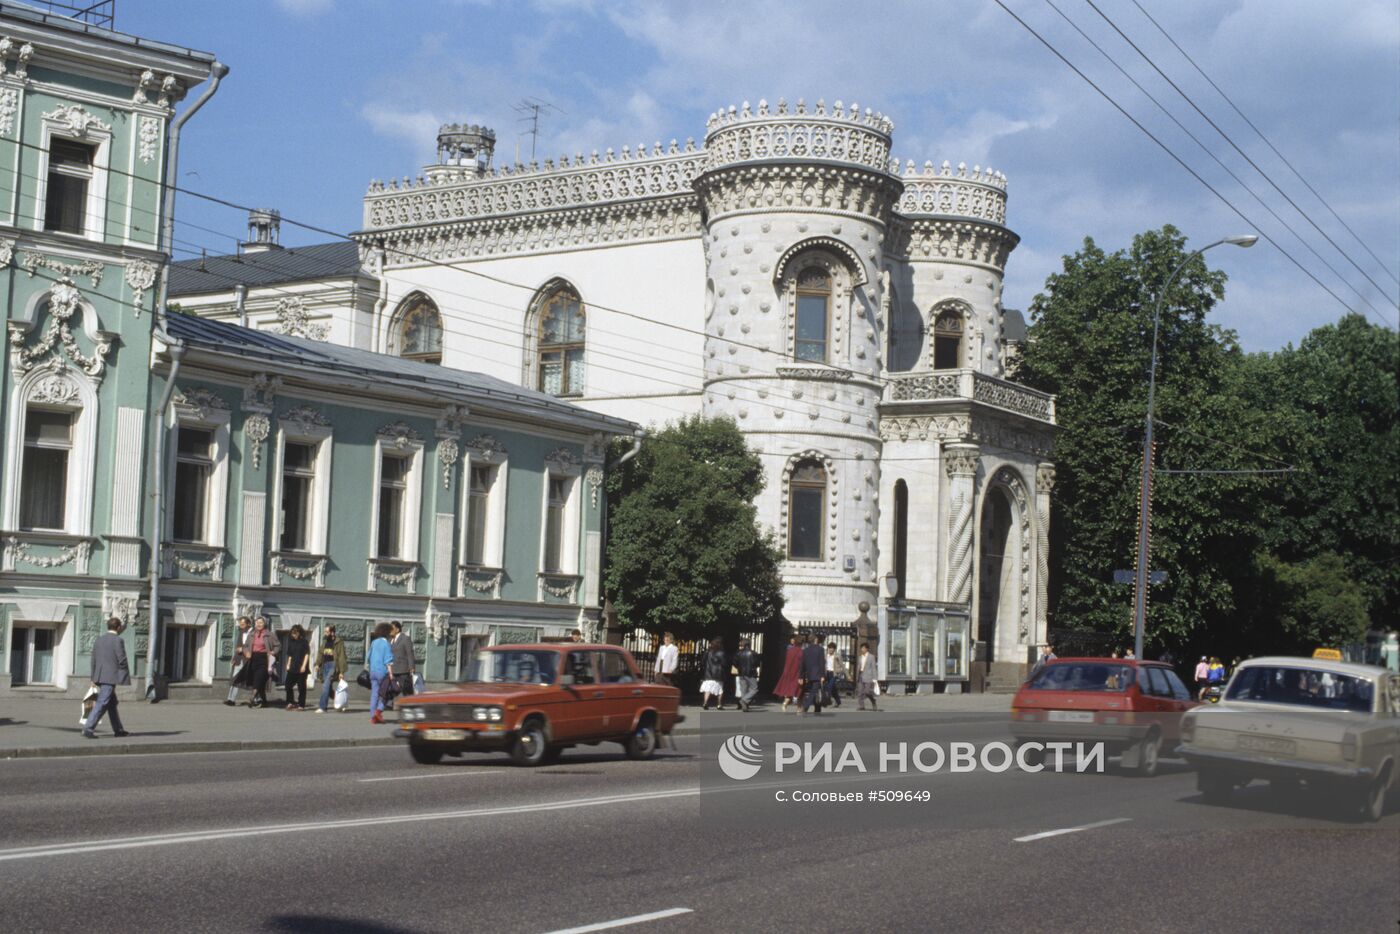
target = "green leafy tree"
x: 1333, y: 404
x: 1312, y: 603
x: 685, y: 551
x: 1090, y: 344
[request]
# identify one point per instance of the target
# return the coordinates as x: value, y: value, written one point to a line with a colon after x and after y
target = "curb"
x: 121, y: 749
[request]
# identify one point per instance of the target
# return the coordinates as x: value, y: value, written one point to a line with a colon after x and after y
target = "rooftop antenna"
x: 530, y: 109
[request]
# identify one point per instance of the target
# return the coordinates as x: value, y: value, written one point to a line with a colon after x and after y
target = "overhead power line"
x: 1284, y: 159
x: 1182, y: 162
x: 1226, y: 136
x: 1206, y: 149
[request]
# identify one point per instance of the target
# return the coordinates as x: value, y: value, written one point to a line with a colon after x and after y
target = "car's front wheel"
x: 642, y: 743
x: 424, y: 754
x: 1215, y: 787
x: 529, y: 747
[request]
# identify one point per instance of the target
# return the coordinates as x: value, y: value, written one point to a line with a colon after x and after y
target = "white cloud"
x: 419, y: 127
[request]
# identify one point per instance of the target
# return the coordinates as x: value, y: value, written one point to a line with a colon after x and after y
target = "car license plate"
x: 445, y: 735
x: 1267, y: 744
x: 1071, y: 716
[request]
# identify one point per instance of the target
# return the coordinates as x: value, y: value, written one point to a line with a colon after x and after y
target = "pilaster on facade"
x: 961, y: 462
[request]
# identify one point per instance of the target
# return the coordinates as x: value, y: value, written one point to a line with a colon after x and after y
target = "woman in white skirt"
x: 716, y: 667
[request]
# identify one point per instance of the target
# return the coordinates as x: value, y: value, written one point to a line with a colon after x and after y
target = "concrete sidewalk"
x: 44, y: 727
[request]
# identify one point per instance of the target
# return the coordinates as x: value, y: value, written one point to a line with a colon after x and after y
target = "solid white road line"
x: 455, y: 773
x: 623, y: 922
x: 133, y: 843
x: 1056, y: 833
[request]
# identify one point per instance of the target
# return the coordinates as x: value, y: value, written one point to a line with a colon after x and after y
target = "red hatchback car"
x: 1133, y: 707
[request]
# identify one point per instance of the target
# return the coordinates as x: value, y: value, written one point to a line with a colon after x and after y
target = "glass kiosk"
x: 925, y: 644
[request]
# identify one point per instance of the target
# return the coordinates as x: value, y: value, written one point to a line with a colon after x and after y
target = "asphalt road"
x: 363, y: 840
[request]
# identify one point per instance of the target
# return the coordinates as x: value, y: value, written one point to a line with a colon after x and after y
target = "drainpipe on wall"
x: 627, y: 456
x: 177, y: 352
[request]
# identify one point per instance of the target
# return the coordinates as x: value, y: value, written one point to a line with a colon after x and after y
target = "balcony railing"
x: 974, y: 386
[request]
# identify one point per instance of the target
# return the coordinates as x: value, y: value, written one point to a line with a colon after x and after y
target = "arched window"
x: 947, y: 339
x: 806, y: 510
x: 418, y: 333
x: 561, y: 343
x: 813, y: 315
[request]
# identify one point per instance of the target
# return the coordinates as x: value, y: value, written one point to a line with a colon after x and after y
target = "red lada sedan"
x: 1133, y: 707
x: 534, y: 701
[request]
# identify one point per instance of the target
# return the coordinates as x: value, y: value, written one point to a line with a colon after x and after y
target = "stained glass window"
x: 561, y: 367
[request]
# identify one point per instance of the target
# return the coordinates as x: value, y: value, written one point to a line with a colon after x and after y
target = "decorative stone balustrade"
x: 540, y: 204
x: 738, y: 136
x: 974, y: 386
x: 464, y: 195
x: 943, y: 192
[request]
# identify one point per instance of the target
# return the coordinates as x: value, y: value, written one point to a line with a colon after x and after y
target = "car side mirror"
x: 566, y: 679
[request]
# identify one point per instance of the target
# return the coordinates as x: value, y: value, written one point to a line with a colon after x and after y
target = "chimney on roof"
x: 264, y: 231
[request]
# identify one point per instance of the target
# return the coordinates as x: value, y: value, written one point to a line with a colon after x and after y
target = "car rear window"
x: 1083, y: 676
x: 1302, y: 687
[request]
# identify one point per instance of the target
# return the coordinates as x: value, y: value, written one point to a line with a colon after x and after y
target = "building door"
x: 466, y: 655
x: 180, y: 660
x: 992, y: 567
x: 32, y: 655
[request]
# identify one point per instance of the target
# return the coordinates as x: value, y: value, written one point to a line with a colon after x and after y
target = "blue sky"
x: 325, y: 95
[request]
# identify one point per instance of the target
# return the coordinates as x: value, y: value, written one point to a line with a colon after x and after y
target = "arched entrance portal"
x: 995, y: 568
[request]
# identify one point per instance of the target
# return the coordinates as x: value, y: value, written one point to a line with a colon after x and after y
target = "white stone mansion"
x: 845, y: 311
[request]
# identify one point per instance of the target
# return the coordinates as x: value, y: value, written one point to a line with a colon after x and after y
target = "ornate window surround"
x: 411, y: 444
x: 62, y: 390
x: 562, y: 463
x: 830, y: 509
x: 304, y: 431
x: 530, y: 361
x: 60, y: 124
x: 964, y: 310
x: 393, y: 338
x: 832, y: 258
x: 485, y: 450
x: 197, y: 408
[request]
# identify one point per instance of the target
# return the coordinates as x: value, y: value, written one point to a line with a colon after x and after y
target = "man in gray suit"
x: 109, y: 669
x: 402, y: 646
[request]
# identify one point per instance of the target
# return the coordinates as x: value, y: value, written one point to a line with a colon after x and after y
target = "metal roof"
x: 350, y: 367
x: 70, y: 24
x: 271, y: 267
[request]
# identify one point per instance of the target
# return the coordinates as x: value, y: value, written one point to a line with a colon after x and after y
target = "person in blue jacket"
x: 381, y: 669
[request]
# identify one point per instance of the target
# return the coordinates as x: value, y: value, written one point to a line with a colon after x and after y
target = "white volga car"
x: 1332, y: 726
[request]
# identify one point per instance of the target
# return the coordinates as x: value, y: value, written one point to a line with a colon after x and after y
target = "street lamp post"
x: 1145, y: 500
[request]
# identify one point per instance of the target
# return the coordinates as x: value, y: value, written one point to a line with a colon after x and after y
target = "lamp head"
x: 1246, y: 240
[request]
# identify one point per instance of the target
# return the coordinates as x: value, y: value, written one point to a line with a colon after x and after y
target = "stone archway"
x: 1004, y: 569
x: 992, y: 567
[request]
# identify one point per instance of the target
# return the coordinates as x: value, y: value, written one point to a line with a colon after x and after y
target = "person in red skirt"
x: 788, y: 686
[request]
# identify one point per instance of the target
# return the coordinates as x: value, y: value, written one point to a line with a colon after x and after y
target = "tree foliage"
x: 1091, y: 346
x: 1312, y: 602
x: 685, y: 550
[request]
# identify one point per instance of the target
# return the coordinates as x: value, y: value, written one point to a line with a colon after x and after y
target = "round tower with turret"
x: 797, y: 203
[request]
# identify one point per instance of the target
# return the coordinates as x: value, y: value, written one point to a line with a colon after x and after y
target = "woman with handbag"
x: 332, y: 665
x: 298, y: 667
x: 381, y: 671
x: 261, y: 651
x: 789, y: 684
x: 715, y: 670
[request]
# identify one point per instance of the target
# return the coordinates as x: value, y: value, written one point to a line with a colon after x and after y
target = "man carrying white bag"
x: 331, y: 667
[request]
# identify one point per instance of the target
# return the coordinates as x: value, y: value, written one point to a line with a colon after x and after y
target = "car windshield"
x: 1302, y: 687
x: 1083, y: 676
x: 516, y: 666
